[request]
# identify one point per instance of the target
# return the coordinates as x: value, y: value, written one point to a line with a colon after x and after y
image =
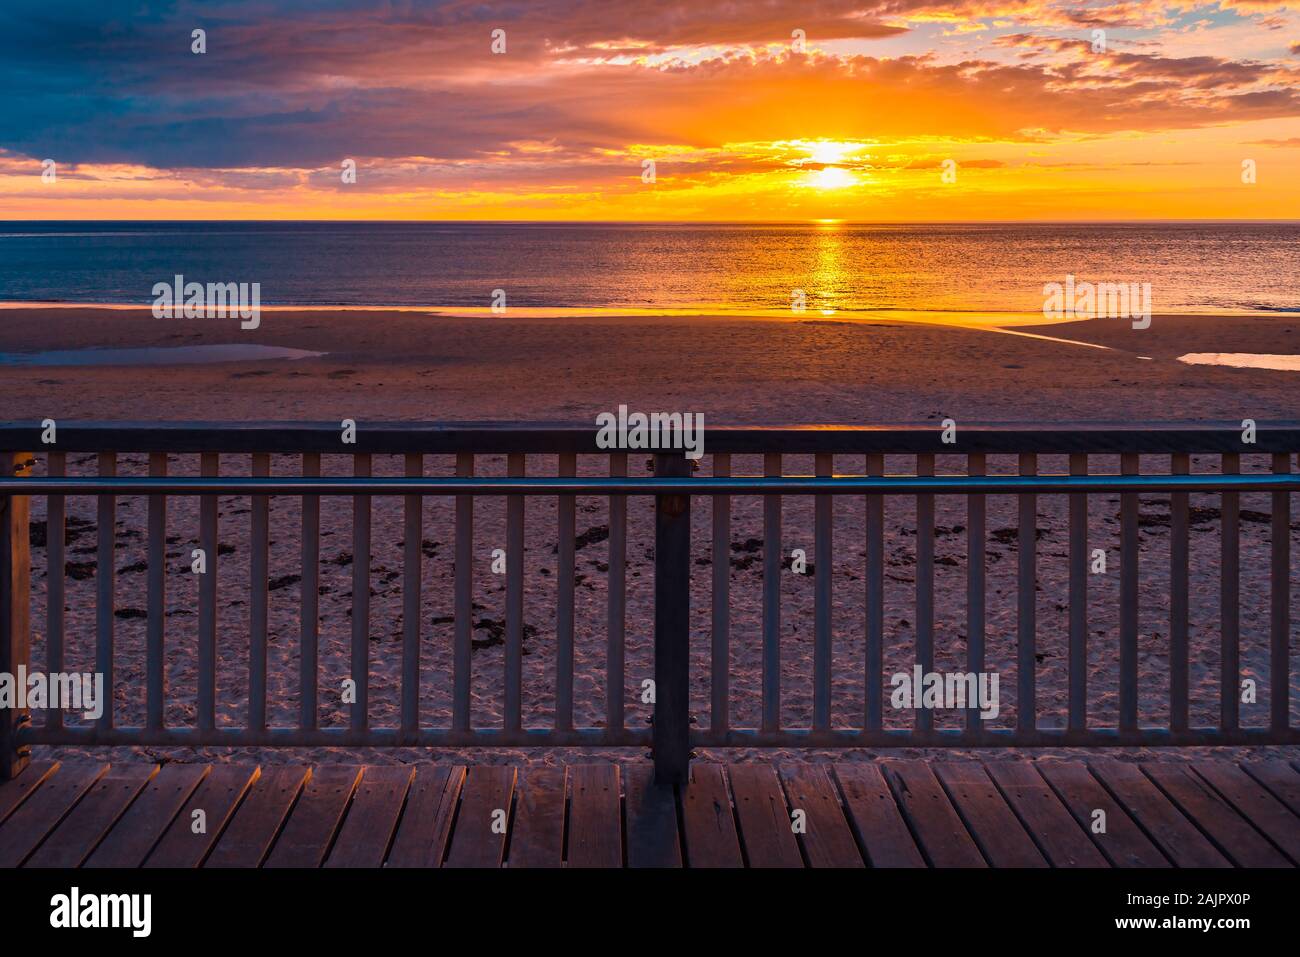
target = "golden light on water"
x: 830, y: 268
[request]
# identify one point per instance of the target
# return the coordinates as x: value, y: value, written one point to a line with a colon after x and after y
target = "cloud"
x: 293, y: 122
x: 413, y: 93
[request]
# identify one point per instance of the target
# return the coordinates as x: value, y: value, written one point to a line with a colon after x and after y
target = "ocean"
x: 701, y: 268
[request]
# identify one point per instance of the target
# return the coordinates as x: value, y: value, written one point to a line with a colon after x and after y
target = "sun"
x: 835, y: 161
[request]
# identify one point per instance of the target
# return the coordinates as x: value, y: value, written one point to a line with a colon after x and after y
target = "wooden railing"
x: 672, y: 488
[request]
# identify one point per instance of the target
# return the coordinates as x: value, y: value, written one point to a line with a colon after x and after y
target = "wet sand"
x: 412, y: 366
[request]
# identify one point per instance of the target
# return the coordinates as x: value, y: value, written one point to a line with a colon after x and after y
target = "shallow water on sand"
x: 1243, y: 360
x: 155, y: 355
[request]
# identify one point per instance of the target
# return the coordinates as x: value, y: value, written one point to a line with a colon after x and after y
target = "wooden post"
x: 15, y: 608
x: 672, y: 726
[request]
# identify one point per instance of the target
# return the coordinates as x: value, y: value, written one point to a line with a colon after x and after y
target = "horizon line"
x: 696, y: 222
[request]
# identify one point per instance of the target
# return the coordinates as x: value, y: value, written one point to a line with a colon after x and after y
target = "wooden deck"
x: 1005, y: 813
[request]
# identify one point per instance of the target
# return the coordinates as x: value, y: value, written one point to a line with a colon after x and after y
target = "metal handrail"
x: 488, y: 438
x: 602, y: 485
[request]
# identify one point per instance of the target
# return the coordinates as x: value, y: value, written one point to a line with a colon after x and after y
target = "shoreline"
x: 710, y: 310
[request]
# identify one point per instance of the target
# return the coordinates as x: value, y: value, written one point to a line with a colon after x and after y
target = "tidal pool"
x: 155, y: 355
x: 1243, y: 360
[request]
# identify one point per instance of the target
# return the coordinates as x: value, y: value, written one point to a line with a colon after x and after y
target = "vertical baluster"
x: 614, y: 678
x: 55, y: 533
x: 15, y: 618
x: 210, y: 466
x: 1230, y: 600
x: 720, y: 676
x: 1128, y: 599
x: 361, y: 464
x: 976, y: 509
x: 566, y: 509
x: 310, y: 624
x: 106, y: 576
x: 464, y: 597
x: 412, y: 571
x: 672, y: 627
x: 515, y: 466
x: 1027, y: 601
x: 823, y: 577
x: 924, y: 586
x: 1180, y: 464
x: 1078, y: 720
x: 155, y: 681
x: 1279, y: 665
x: 258, y: 568
x: 772, y: 600
x: 875, y: 576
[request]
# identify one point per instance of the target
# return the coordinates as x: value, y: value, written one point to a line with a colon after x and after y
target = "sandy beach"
x: 387, y: 366
x: 736, y: 370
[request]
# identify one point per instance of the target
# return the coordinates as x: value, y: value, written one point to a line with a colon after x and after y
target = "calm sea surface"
x: 958, y: 268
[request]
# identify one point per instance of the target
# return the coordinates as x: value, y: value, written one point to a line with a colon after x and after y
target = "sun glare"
x: 829, y: 152
x: 832, y: 177
x: 836, y: 161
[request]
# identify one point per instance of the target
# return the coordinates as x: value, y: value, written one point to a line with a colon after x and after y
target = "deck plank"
x: 765, y: 832
x: 486, y: 794
x: 943, y: 837
x: 1231, y: 833
x: 1123, y: 842
x: 94, y: 815
x: 652, y: 834
x: 595, y: 817
x: 875, y: 818
x: 145, y: 821
x: 424, y: 829
x: 998, y: 832
x: 895, y: 813
x: 1176, y: 836
x: 27, y: 826
x: 305, y: 839
x: 708, y: 823
x: 13, y: 793
x: 1057, y: 834
x: 1282, y: 780
x: 258, y: 820
x: 827, y: 839
x: 217, y: 796
x: 1254, y: 802
x: 537, y: 833
x: 371, y: 817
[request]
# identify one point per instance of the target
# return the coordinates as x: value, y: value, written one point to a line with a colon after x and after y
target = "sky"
x: 684, y: 110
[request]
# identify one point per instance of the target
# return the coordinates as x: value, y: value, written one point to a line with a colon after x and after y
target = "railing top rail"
x: 601, y: 485
x: 552, y: 437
